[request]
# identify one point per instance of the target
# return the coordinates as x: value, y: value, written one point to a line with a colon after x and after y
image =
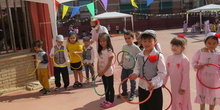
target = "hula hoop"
x: 37, y: 64
x: 129, y: 54
x: 197, y: 74
x: 119, y: 89
x: 95, y: 88
x: 171, y: 101
x: 56, y: 63
x: 80, y: 60
x: 92, y: 75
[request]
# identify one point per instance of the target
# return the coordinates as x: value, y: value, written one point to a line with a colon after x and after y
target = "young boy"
x: 61, y: 58
x: 151, y: 66
x: 127, y: 62
x: 88, y: 58
x: 42, y: 58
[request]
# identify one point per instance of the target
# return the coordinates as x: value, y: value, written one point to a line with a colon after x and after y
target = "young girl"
x: 75, y: 49
x: 105, y: 68
x: 178, y: 70
x: 209, y: 75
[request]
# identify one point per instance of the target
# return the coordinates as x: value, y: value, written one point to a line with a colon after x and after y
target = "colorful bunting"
x: 74, y: 11
x: 91, y: 8
x: 149, y: 2
x: 105, y: 3
x: 65, y: 9
x: 134, y: 4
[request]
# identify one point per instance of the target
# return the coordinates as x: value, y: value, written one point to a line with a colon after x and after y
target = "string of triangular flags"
x: 90, y: 6
x: 149, y: 15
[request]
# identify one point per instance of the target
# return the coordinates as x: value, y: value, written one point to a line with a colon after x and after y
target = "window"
x: 13, y: 27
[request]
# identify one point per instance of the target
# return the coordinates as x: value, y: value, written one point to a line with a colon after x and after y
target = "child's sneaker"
x: 108, y: 105
x: 131, y: 98
x: 75, y: 85
x: 67, y: 88
x: 103, y: 103
x: 79, y: 85
x: 46, y: 92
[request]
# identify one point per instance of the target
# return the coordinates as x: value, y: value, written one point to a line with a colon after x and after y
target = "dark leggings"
x: 154, y: 103
x: 65, y: 76
x: 109, y: 85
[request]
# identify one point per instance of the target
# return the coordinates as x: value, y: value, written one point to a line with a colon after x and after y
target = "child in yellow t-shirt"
x: 75, y: 49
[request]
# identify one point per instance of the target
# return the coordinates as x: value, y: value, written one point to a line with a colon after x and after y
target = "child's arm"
x: 167, y: 76
x: 195, y: 61
x: 52, y: 52
x: 122, y: 57
x: 136, y: 72
x: 98, y: 67
x: 185, y: 76
x: 107, y: 66
x: 161, y: 73
x: 92, y: 57
x: 66, y: 55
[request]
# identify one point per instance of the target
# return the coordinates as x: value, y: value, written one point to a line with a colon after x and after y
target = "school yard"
x: 85, y: 98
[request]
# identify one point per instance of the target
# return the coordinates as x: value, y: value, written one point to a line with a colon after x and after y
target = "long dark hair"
x: 108, y: 40
x: 72, y: 34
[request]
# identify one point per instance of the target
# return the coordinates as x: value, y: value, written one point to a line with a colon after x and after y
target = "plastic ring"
x: 56, y: 63
x: 80, y: 60
x: 95, y: 87
x: 37, y: 64
x: 92, y: 75
x: 170, y: 96
x: 130, y: 55
x: 197, y: 74
x: 119, y: 89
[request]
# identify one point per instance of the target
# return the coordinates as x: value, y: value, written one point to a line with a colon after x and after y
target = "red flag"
x: 57, y: 5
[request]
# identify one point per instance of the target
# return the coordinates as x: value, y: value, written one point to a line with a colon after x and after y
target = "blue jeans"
x: 124, y: 74
x: 89, y: 68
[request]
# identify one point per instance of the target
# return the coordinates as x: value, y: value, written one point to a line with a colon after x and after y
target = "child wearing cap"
x: 88, y: 58
x: 42, y: 70
x: 61, y: 58
x: 150, y: 65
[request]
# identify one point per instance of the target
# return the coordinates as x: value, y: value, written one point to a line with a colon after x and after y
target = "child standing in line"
x: 209, y: 74
x: 88, y: 58
x: 42, y: 70
x: 105, y: 68
x: 75, y: 49
x: 150, y: 65
x: 127, y: 63
x: 61, y: 58
x: 178, y: 70
x: 138, y: 40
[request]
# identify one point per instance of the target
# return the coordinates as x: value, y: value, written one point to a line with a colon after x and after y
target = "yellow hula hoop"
x: 37, y: 64
x: 56, y: 63
x: 92, y: 75
x: 80, y: 61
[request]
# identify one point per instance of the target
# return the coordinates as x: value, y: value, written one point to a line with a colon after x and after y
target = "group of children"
x: 150, y: 64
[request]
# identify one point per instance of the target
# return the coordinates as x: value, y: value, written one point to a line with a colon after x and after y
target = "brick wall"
x: 13, y: 71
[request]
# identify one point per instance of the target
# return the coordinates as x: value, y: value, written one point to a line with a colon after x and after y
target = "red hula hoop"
x: 119, y: 89
x: 171, y: 96
x: 197, y: 74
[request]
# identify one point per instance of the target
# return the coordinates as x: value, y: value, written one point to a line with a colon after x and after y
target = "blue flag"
x: 74, y: 11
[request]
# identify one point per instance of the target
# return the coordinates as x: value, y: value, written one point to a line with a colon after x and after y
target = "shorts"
x: 75, y: 66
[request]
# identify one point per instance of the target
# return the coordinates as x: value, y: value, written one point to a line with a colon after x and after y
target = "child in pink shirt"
x: 209, y: 75
x: 178, y: 70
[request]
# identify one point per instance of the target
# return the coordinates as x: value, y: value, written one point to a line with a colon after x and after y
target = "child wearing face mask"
x: 96, y: 30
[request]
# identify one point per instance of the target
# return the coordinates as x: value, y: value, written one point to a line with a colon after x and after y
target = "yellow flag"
x: 65, y: 9
x: 134, y: 4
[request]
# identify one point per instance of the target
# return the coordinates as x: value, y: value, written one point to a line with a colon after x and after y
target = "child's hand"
x: 198, y: 67
x: 38, y: 61
x: 68, y: 62
x: 133, y: 76
x: 120, y: 63
x: 100, y: 74
x: 181, y: 92
x: 52, y: 55
x: 151, y: 86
